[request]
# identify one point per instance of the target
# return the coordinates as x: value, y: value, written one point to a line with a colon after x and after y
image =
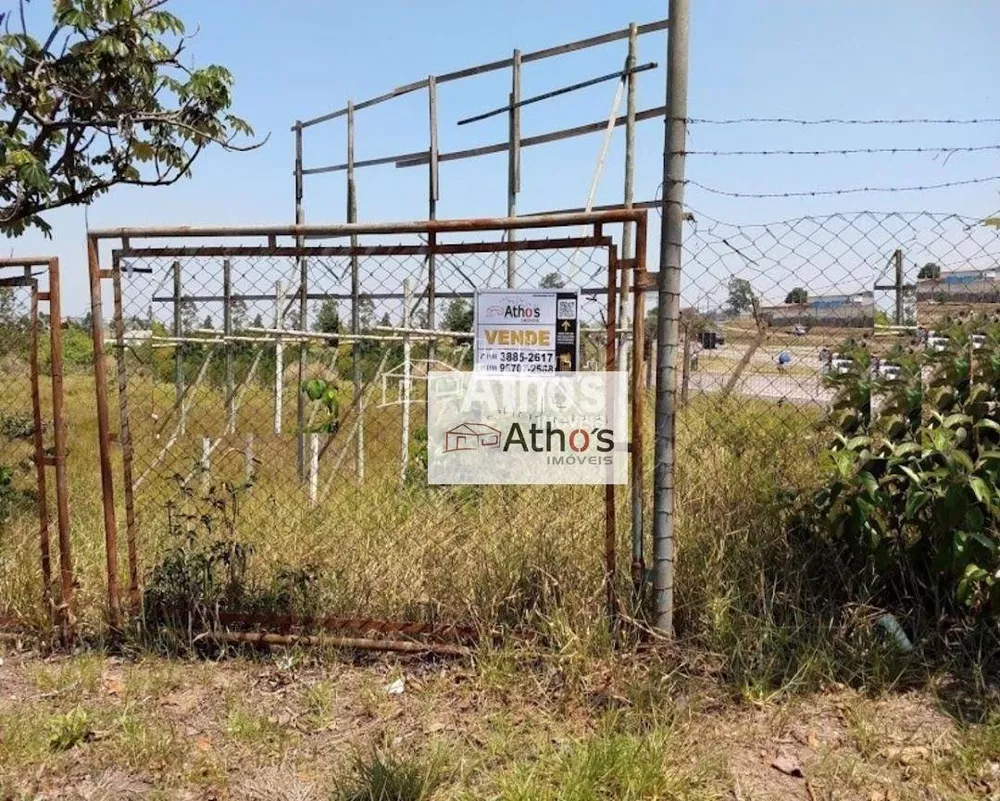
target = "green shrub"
x: 912, y: 490
x: 208, y: 569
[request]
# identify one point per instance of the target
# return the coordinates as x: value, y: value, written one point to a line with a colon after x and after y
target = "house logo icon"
x: 471, y: 437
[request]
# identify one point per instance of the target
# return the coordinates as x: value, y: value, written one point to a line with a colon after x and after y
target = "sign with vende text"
x: 527, y: 330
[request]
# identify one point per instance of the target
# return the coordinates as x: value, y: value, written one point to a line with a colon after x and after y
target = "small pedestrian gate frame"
x: 34, y: 433
x: 311, y: 509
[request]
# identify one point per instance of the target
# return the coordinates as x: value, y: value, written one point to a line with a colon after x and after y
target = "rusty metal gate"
x: 269, y: 392
x: 32, y: 440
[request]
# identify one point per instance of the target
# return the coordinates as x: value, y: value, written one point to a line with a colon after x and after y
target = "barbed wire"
x: 850, y: 191
x: 840, y: 121
x: 842, y: 151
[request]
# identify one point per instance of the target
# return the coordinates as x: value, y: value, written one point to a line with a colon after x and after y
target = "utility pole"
x: 897, y: 287
x: 898, y: 258
x: 668, y: 322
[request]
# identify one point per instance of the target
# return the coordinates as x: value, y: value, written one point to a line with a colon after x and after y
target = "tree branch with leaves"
x: 103, y: 99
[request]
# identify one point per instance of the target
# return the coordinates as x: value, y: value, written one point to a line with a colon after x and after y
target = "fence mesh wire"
x: 790, y: 328
x: 21, y: 584
x: 766, y: 307
x: 245, y: 505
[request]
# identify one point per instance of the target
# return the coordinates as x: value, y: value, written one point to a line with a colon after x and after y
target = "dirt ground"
x: 297, y: 725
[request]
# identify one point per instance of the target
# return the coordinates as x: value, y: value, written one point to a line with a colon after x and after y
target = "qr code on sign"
x: 566, y: 309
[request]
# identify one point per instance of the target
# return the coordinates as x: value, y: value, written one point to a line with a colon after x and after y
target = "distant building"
x: 854, y: 310
x: 961, y: 286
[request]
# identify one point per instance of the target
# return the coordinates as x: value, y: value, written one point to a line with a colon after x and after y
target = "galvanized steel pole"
x: 668, y: 325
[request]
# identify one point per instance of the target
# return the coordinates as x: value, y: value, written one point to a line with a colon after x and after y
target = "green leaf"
x: 971, y: 577
x: 869, y: 482
x: 963, y: 459
x: 915, y: 501
x: 905, y: 449
x: 314, y: 388
x: 984, y: 494
x: 989, y: 544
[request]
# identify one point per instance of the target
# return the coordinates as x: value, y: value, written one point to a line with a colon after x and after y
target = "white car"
x: 840, y: 364
x: 937, y: 342
x: 890, y: 372
x: 978, y: 341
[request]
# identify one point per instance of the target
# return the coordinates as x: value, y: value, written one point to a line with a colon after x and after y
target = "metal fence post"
x: 279, y: 353
x: 352, y: 216
x: 514, y: 162
x: 227, y: 331
x: 39, y: 446
x: 404, y: 453
x: 103, y: 431
x: 668, y: 324
x: 433, y: 195
x: 178, y: 348
x: 627, y: 228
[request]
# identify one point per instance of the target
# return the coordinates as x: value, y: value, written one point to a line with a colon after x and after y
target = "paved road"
x: 791, y: 388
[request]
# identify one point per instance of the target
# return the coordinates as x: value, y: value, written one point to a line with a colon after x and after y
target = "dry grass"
x: 294, y: 725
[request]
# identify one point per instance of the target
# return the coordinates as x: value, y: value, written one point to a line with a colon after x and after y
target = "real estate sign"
x: 519, y: 428
x: 527, y: 330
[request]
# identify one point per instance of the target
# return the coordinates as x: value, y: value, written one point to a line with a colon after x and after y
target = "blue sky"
x: 295, y: 60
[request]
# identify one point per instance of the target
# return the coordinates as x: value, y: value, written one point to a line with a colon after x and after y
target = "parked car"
x: 799, y: 330
x: 978, y: 341
x: 936, y: 342
x: 889, y: 372
x: 840, y: 364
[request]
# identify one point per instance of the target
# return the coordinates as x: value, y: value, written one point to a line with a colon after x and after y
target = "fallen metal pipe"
x: 361, y: 643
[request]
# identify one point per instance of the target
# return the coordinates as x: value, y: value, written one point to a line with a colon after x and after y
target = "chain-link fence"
x: 796, y: 329
x: 34, y: 512
x: 271, y: 400
x: 766, y: 308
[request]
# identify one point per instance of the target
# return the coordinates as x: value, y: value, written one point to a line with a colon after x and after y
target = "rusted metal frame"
x: 406, y: 227
x: 421, y: 157
x: 610, y: 365
x: 538, y: 139
x: 593, y: 291
x: 178, y: 330
x: 103, y: 431
x: 444, y: 248
x: 286, y: 623
x: 513, y: 160
x: 227, y: 331
x: 639, y: 204
x: 364, y: 163
x: 468, y: 72
x: 26, y: 281
x: 433, y: 195
x: 59, y: 443
x: 629, y: 177
x: 359, y: 643
x: 352, y: 216
x: 125, y: 438
x: 300, y: 405
x: 25, y: 261
x: 40, y: 461
x: 626, y: 73
x: 638, y: 392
